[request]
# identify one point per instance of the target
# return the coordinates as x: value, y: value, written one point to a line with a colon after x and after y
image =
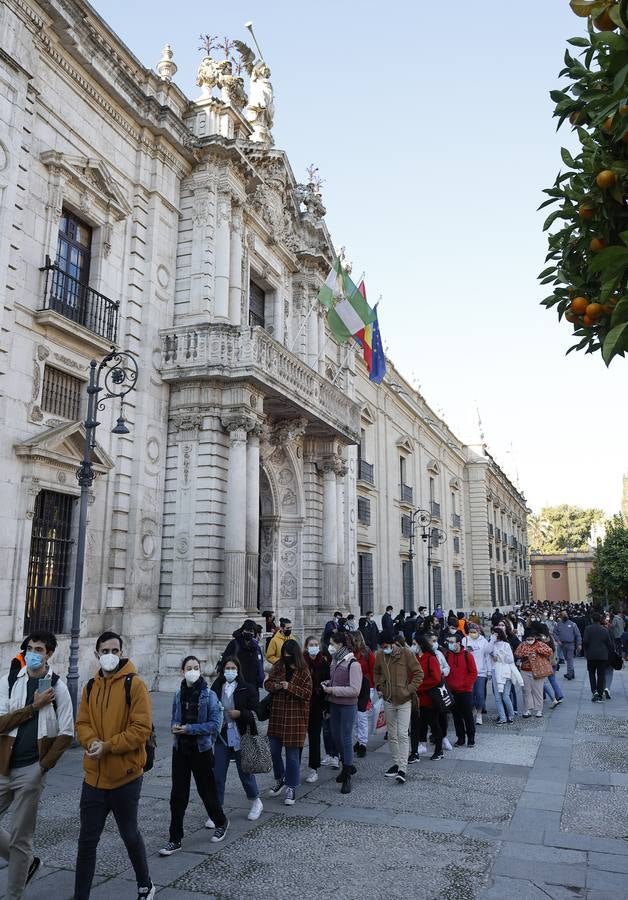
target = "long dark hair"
x: 425, y: 644
x: 292, y: 648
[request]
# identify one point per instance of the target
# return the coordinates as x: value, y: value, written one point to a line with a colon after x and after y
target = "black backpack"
x: 151, y: 744
x: 365, y: 690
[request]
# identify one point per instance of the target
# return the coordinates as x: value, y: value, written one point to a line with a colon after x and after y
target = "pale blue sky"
x: 431, y: 125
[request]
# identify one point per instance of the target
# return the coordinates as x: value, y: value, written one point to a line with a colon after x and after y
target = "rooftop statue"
x: 260, y: 110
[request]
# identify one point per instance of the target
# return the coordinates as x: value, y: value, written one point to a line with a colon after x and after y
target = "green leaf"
x: 579, y: 42
x: 620, y: 313
x: 548, y: 203
x: 611, y: 260
x: 620, y: 79
x: 557, y: 214
x: 568, y: 158
x: 623, y: 236
x: 616, y: 341
x: 548, y: 271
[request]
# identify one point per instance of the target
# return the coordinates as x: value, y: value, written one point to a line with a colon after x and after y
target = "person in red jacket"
x: 432, y: 677
x: 366, y: 658
x: 462, y: 675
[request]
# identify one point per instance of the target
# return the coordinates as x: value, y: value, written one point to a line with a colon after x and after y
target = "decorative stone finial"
x: 166, y: 68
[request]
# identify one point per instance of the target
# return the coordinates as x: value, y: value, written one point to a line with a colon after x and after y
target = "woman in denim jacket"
x: 196, y: 722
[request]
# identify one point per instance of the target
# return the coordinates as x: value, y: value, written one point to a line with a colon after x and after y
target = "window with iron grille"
x: 407, y: 583
x: 490, y: 551
x: 458, y: 587
x: 257, y: 304
x: 365, y: 581
x: 506, y: 589
x: 406, y: 526
x: 497, y: 553
x: 500, y: 590
x: 49, y: 562
x: 437, y: 583
x: 364, y: 511
x: 456, y: 545
x: 493, y: 597
x: 61, y: 394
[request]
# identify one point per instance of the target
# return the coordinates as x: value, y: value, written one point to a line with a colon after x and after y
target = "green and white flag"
x: 347, y: 310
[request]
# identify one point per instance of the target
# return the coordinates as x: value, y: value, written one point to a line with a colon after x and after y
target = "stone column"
x: 341, y: 471
x: 235, y: 266
x: 322, y: 340
x: 235, y: 520
x: 222, y: 256
x: 252, y: 520
x: 312, y: 338
x: 330, y: 536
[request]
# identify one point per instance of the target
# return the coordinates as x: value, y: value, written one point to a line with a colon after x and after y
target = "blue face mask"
x: 33, y: 660
x: 230, y: 675
x: 387, y: 650
x: 313, y: 650
x: 452, y: 645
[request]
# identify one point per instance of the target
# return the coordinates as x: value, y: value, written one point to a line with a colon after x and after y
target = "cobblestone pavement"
x: 536, y: 810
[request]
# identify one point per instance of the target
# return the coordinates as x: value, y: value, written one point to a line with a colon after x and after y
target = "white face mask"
x: 333, y: 650
x: 109, y: 662
x: 192, y: 675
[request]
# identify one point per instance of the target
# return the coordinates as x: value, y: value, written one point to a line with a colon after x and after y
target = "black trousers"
x: 201, y: 766
x: 432, y: 719
x: 415, y: 730
x: 464, y: 723
x: 96, y: 804
x: 597, y: 675
x: 314, y: 727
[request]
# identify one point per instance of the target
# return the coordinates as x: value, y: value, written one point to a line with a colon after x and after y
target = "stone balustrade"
x: 231, y: 352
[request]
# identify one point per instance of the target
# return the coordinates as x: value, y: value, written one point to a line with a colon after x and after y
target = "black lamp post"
x: 431, y: 535
x: 119, y: 372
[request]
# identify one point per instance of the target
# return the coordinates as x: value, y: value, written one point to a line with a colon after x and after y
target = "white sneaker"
x: 478, y: 719
x: 553, y: 704
x: 312, y: 778
x: 422, y: 748
x: 210, y: 824
x: 539, y: 714
x: 327, y: 760
x: 335, y: 762
x: 290, y: 797
x: 256, y: 810
x: 447, y: 744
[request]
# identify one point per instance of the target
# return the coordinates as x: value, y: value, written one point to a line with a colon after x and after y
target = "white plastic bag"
x: 378, y: 718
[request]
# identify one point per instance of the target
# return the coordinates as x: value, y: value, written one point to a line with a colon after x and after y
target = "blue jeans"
x: 502, y: 701
x: 222, y: 757
x: 328, y: 741
x: 291, y: 772
x: 479, y: 693
x: 341, y: 719
x: 553, y: 688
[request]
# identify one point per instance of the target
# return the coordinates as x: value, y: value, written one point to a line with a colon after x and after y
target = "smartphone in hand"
x: 44, y: 684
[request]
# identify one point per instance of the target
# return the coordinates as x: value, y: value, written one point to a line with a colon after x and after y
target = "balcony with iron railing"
x: 435, y: 508
x: 405, y: 494
x: 77, y: 302
x: 366, y: 472
x: 456, y: 520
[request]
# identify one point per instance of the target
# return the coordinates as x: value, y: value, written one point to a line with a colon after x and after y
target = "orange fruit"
x: 604, y: 22
x: 607, y: 125
x: 608, y: 308
x: 606, y: 179
x: 571, y: 317
x: 613, y: 301
x: 586, y: 212
x: 577, y: 117
x: 597, y: 245
x: 579, y: 305
x: 594, y: 310
x: 587, y: 322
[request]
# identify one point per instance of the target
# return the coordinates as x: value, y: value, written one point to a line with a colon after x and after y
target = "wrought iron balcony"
x: 405, y: 492
x: 229, y: 352
x: 74, y: 300
x: 435, y: 508
x: 365, y: 472
x: 456, y: 520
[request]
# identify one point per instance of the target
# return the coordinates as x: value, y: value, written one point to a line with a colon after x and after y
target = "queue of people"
x: 411, y: 675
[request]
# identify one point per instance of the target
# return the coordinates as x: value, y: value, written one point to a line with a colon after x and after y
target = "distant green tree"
x: 564, y: 527
x: 608, y: 579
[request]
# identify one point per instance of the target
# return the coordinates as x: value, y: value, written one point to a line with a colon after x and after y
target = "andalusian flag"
x: 347, y: 310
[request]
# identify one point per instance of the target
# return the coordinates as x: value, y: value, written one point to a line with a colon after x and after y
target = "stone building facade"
x: 132, y: 216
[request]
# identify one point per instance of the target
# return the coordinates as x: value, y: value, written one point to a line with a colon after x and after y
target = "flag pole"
x: 343, y: 365
x: 302, y: 326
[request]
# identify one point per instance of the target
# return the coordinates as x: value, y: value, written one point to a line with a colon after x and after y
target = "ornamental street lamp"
x: 119, y: 372
x: 433, y: 537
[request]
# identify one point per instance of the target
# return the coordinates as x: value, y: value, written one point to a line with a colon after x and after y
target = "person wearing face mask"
x: 569, y: 639
x: 398, y: 675
x: 477, y: 644
x: 196, y: 718
x: 367, y: 693
x: 432, y: 677
x: 342, y: 690
x: 239, y: 701
x: 283, y: 634
x: 535, y: 658
x: 247, y: 650
x: 290, y: 683
x: 418, y: 723
x: 370, y: 631
x: 318, y: 665
x: 36, y: 727
x: 460, y: 681
x: 114, y: 734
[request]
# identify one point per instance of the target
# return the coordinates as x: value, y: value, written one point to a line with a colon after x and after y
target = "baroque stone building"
x: 132, y: 216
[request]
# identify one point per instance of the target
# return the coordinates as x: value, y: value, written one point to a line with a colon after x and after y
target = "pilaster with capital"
x: 330, y: 534
x: 235, y: 264
x: 238, y: 427
x: 252, y: 518
x: 341, y: 471
x: 222, y: 254
x: 203, y: 216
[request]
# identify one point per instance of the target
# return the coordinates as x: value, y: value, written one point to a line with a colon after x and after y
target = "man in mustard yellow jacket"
x: 273, y: 651
x: 113, y: 725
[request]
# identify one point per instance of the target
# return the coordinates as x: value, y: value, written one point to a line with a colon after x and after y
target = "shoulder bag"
x: 255, y: 757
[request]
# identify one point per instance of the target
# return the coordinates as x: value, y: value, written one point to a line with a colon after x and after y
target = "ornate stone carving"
x: 43, y: 352
x: 187, y: 455
x: 36, y: 414
x: 166, y: 67
x: 289, y: 539
x: 187, y: 420
x: 288, y: 586
x: 182, y: 545
x: 285, y: 476
x: 289, y: 499
x: 287, y: 430
x: 202, y: 208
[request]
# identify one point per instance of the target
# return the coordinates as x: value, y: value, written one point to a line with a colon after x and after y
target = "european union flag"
x: 378, y: 369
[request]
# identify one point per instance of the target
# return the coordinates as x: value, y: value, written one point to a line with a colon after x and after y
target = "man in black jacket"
x: 597, y: 645
x: 387, y: 619
x: 246, y: 649
x: 370, y: 631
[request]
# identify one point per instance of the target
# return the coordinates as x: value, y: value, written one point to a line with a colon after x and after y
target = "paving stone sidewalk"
x: 538, y: 809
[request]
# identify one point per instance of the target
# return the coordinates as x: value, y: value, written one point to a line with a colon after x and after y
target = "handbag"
x: 615, y: 661
x: 255, y: 757
x: 265, y: 708
x: 440, y: 697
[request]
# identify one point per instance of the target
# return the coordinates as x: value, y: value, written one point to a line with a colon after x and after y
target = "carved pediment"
x: 455, y: 484
x: 368, y: 414
x: 92, y: 176
x: 404, y: 443
x: 433, y: 466
x: 63, y: 447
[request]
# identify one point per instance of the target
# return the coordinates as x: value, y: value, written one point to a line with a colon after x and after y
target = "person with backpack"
x: 397, y: 678
x: 342, y: 690
x: 247, y: 650
x: 36, y: 727
x: 113, y: 725
x: 460, y: 680
x: 317, y: 663
x: 367, y: 663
